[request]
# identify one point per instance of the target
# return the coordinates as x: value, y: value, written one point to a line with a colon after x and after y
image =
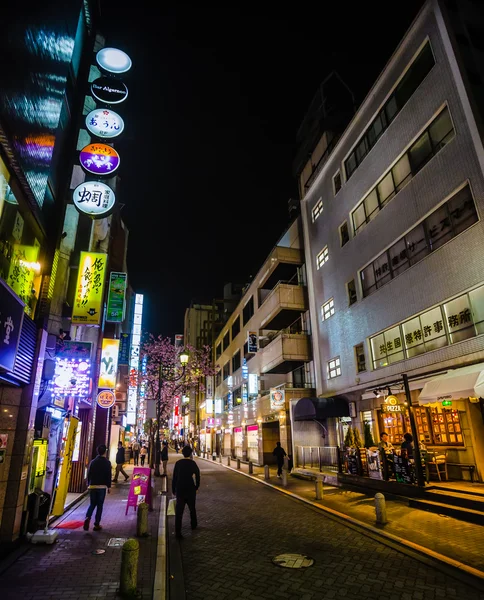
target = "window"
x: 218, y: 379
x: 218, y: 350
x: 248, y: 310
x: 317, y: 209
x: 414, y: 76
x: 334, y: 368
x: 351, y: 289
x: 439, y: 426
x: 432, y: 140
x: 237, y: 396
x: 445, y: 223
x: 322, y: 257
x: 236, y: 361
x: 226, y: 371
x: 235, y: 328
x: 327, y: 309
x: 360, y: 358
x: 226, y: 340
x: 336, y: 182
x: 344, y: 234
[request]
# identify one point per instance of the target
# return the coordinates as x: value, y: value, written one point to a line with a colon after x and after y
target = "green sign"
x: 117, y: 292
x: 446, y: 402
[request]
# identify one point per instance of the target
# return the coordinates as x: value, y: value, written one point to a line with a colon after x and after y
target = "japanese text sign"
x: 94, y: 198
x: 117, y: 291
x: 89, y: 291
x: 108, y: 368
x: 124, y: 346
x: 140, y: 488
x: 11, y: 317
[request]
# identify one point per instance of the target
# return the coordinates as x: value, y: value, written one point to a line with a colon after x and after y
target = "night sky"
x: 216, y: 96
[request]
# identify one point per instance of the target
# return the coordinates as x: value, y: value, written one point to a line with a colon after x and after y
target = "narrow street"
x: 243, y: 525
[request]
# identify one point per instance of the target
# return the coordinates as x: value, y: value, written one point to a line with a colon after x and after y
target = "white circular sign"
x: 94, y: 198
x: 113, y: 60
x: 104, y: 123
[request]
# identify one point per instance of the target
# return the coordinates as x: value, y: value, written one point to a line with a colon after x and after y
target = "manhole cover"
x: 116, y: 542
x: 98, y: 551
x: 293, y: 561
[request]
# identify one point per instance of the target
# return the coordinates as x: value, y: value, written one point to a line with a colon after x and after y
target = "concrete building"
x: 393, y: 241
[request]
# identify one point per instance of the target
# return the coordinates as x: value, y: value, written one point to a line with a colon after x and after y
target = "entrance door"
x: 270, y: 436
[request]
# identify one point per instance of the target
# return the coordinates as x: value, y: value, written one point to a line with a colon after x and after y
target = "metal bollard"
x: 129, y: 568
x: 251, y: 468
x: 284, y: 477
x: 286, y: 463
x: 142, y: 522
x: 380, y: 509
x: 238, y: 463
x: 214, y: 456
x: 318, y: 484
x: 220, y: 458
x: 228, y: 461
x: 266, y: 472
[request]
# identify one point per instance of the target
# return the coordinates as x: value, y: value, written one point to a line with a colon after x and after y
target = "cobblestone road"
x: 244, y: 524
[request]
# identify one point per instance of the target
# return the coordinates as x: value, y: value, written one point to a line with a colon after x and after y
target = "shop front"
x: 253, y: 443
x: 239, y: 442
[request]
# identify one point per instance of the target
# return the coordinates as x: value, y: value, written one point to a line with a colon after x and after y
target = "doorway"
x: 270, y: 436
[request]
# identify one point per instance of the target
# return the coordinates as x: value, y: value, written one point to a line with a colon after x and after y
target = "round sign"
x: 94, y: 198
x: 99, y: 159
x: 113, y: 60
x: 104, y: 123
x: 106, y: 399
x: 393, y: 400
x: 109, y: 90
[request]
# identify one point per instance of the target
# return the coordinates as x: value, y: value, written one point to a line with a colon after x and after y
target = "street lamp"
x: 167, y: 374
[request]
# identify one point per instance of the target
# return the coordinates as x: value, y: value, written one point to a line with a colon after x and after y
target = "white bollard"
x: 318, y: 484
x: 380, y: 509
x: 284, y: 477
x: 238, y: 463
x: 266, y: 472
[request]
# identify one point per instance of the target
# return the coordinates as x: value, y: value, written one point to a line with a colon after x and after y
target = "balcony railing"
x: 317, y: 457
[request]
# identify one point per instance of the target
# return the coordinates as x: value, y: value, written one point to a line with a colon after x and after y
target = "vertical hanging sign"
x: 116, y: 297
x: 89, y: 292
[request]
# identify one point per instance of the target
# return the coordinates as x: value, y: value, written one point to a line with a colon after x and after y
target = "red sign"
x: 140, y: 489
x: 252, y: 427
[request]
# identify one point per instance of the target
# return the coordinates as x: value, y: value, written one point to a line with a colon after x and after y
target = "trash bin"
x: 38, y: 505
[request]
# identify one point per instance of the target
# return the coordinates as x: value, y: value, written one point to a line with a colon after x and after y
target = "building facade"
x: 393, y: 239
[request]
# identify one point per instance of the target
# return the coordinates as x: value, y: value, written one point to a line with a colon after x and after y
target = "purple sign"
x: 99, y: 159
x: 11, y: 319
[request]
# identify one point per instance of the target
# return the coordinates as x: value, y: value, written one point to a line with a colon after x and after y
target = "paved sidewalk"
x: 458, y: 540
x: 68, y: 569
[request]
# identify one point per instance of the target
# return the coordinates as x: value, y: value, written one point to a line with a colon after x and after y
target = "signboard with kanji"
x: 11, y: 318
x: 116, y: 294
x: 140, y: 488
x: 89, y: 292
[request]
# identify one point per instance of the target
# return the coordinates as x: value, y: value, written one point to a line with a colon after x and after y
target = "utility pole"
x: 416, y: 451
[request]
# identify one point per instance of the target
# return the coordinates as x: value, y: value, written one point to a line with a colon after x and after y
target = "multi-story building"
x: 393, y: 242
x: 263, y: 354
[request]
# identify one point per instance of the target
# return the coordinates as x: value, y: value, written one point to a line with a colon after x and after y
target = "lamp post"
x: 166, y: 374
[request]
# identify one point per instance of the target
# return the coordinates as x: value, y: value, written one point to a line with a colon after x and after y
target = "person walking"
x: 177, y: 447
x: 164, y: 457
x: 99, y: 481
x: 120, y: 460
x: 143, y: 453
x: 279, y: 453
x: 185, y: 489
x: 136, y: 453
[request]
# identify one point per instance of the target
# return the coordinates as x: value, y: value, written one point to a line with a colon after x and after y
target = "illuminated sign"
x: 108, y: 368
x: 109, y: 90
x: 252, y: 342
x: 209, y: 406
x: 77, y: 443
x: 245, y: 369
x: 245, y: 392
x: 65, y: 467
x: 89, y: 291
x: 116, y: 294
x: 134, y: 359
x: 106, y: 399
x: 218, y: 406
x: 393, y: 400
x: 72, y: 372
x: 392, y: 408
x: 41, y: 461
x: 23, y: 270
x: 253, y: 384
x: 104, y: 123
x: 99, y: 159
x: 447, y: 403
x: 11, y: 319
x: 278, y: 399
x: 114, y: 60
x: 94, y: 198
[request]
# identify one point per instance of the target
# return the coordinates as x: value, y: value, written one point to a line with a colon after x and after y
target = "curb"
x: 159, y: 586
x: 465, y: 573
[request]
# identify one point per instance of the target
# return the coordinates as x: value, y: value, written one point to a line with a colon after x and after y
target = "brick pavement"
x: 68, y: 570
x: 244, y: 524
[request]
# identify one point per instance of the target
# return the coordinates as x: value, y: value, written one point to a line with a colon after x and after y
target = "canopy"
x: 308, y: 409
x: 467, y: 382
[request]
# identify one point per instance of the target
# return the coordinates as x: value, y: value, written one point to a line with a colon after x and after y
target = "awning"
x: 466, y: 382
x: 308, y: 409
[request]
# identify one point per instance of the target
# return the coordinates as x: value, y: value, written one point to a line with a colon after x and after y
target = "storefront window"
x: 446, y: 426
x: 395, y: 424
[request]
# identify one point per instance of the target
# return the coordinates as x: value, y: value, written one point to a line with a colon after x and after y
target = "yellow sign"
x: 23, y: 270
x: 90, y: 286
x: 106, y: 399
x: 41, y: 461
x: 392, y: 400
x: 65, y: 465
x: 108, y: 369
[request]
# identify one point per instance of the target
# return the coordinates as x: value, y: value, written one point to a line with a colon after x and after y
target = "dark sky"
x: 216, y: 96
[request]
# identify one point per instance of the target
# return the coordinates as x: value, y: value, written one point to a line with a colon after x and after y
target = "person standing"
x: 120, y: 460
x: 143, y: 453
x: 177, y: 447
x: 279, y: 453
x: 136, y: 453
x: 164, y: 457
x: 99, y: 481
x: 185, y: 489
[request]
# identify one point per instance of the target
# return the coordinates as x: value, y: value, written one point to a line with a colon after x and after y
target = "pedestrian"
x: 136, y: 453
x: 407, y: 446
x: 185, y: 489
x: 279, y: 453
x: 164, y: 457
x: 98, y: 480
x: 143, y: 453
x: 386, y: 452
x: 177, y: 447
x: 120, y: 460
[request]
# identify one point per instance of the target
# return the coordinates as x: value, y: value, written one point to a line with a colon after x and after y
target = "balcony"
x: 284, y: 303
x: 285, y: 353
x: 281, y: 265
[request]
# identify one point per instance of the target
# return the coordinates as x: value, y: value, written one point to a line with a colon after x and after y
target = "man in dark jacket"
x: 99, y: 480
x: 120, y: 460
x: 164, y: 457
x: 185, y: 489
x: 279, y: 453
